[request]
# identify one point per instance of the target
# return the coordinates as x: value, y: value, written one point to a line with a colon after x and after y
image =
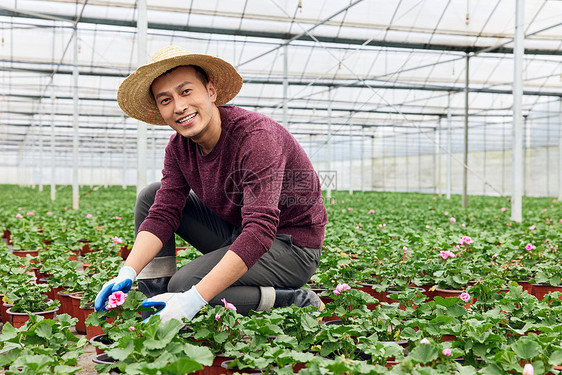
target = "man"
x: 236, y: 185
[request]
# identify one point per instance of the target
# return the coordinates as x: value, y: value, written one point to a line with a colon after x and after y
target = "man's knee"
x: 181, y: 282
x: 145, y: 198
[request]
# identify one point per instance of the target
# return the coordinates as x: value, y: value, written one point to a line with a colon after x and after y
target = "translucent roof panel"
x: 370, y: 63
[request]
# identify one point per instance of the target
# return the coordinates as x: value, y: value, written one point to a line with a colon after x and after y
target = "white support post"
x: 329, y: 142
x: 372, y: 162
x: 53, y: 157
x: 526, y: 173
x: 75, y: 126
x: 362, y: 158
x: 142, y: 26
x: 154, y: 165
x: 516, y: 164
x: 106, y: 152
x: 465, y: 166
x: 437, y: 157
x: 125, y: 143
x: 449, y: 145
x: 40, y: 163
x: 560, y: 149
x: 286, y: 86
x: 350, y: 159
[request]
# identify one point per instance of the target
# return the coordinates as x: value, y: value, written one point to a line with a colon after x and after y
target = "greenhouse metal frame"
x: 440, y: 96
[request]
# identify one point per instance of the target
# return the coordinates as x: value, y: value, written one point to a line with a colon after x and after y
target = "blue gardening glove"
x: 122, y: 282
x: 177, y: 305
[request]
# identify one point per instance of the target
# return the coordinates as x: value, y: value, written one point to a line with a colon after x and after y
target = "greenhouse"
x: 384, y: 179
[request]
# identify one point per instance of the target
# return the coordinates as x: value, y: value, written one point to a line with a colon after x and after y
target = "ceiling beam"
x: 280, y: 36
x: 340, y: 83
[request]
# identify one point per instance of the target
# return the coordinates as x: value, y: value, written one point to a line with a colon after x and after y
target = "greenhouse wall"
x: 489, y: 173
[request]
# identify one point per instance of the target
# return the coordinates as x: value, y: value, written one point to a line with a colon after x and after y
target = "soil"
x: 85, y: 360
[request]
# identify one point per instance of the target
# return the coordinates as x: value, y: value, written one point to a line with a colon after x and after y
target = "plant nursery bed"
x: 387, y: 259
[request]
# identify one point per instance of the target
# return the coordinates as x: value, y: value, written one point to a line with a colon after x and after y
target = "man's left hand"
x: 177, y: 305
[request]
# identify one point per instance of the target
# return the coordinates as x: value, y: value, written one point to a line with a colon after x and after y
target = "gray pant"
x: 285, y: 265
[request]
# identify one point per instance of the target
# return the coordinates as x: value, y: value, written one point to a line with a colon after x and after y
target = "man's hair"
x: 200, y: 73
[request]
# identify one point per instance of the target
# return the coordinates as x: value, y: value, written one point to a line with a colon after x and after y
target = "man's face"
x: 185, y: 103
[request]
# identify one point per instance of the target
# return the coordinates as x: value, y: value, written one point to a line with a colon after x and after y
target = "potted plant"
x: 41, y: 346
x: 217, y: 328
x: 29, y: 298
x: 152, y: 346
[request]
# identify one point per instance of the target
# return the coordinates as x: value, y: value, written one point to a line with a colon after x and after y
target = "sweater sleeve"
x: 164, y: 216
x: 262, y: 170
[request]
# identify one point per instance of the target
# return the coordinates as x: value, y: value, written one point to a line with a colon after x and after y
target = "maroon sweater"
x: 257, y: 177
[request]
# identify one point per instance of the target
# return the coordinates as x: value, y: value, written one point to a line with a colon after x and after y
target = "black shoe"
x: 297, y: 297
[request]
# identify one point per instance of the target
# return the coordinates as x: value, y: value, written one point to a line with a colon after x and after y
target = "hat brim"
x: 135, y: 97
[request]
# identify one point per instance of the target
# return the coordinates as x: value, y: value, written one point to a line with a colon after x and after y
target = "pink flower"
x: 447, y: 352
x: 528, y: 369
x: 350, y: 209
x: 228, y: 305
x: 116, y: 240
x: 465, y: 296
x: 445, y: 213
x: 19, y: 216
x: 424, y: 341
x: 503, y: 209
x: 116, y: 299
x: 343, y: 210
x: 371, y: 211
x: 434, y: 198
x: 131, y: 328
x: 452, y: 220
x: 333, y: 201
x: 404, y: 249
x: 530, y: 247
x: 427, y: 227
x: 532, y: 228
x: 463, y: 225
x: 466, y: 240
x: 341, y: 288
x: 217, y: 317
x: 116, y: 217
x: 30, y: 213
x: 49, y: 213
x: 446, y: 254
x: 89, y: 216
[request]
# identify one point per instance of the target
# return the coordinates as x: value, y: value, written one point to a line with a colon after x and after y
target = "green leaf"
x: 65, y: 370
x: 121, y: 354
x: 182, y: 366
x: 44, y: 330
x: 8, y: 331
x: 328, y: 347
x: 456, y: 310
x: 202, y: 354
x: 308, y: 323
x: 526, y: 348
x: 492, y: 369
x: 423, y: 353
x: 152, y: 344
x: 555, y: 358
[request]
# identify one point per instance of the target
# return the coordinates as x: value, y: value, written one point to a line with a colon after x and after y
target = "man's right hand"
x: 122, y: 282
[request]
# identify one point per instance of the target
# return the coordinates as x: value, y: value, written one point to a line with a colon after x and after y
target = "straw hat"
x: 135, y: 97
